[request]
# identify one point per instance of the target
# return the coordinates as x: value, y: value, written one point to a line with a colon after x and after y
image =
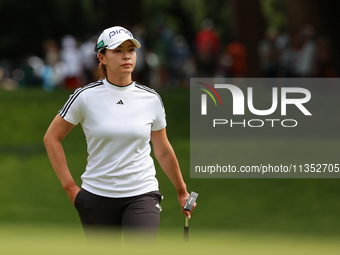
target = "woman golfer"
x: 119, y: 117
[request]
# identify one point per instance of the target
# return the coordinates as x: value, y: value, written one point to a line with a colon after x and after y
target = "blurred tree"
x: 302, y: 12
x: 29, y: 23
x: 124, y: 13
x: 248, y: 27
x: 331, y: 20
x: 275, y: 14
x: 25, y: 24
x: 323, y: 15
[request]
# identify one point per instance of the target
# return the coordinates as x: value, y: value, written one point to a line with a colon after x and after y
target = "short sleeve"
x: 72, y: 109
x: 160, y: 120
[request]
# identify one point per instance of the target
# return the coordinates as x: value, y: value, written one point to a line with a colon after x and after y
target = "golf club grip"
x: 186, y: 233
x: 190, y: 201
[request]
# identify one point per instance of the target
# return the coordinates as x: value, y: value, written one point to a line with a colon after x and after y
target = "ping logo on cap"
x: 113, y: 33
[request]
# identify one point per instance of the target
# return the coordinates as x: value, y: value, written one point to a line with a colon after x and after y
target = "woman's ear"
x: 102, y: 58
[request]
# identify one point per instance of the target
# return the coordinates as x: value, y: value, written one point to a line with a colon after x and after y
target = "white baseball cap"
x: 112, y: 37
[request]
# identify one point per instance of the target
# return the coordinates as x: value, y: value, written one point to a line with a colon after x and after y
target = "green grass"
x: 31, y: 193
x: 52, y: 240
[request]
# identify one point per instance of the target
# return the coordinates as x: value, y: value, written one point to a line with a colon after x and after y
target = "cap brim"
x: 116, y: 44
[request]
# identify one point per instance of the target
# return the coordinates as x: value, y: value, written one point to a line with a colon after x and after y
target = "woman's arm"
x: 56, y: 132
x: 166, y: 157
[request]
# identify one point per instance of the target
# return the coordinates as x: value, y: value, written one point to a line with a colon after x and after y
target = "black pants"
x: 131, y: 215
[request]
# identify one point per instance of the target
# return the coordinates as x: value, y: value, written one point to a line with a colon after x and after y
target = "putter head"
x: 190, y: 201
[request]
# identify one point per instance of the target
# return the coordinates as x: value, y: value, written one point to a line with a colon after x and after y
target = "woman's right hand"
x: 72, y: 193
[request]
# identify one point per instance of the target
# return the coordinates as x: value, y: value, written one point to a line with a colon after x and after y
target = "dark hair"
x: 102, y: 67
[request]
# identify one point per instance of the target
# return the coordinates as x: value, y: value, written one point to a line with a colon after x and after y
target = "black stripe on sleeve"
x: 149, y: 90
x: 63, y: 111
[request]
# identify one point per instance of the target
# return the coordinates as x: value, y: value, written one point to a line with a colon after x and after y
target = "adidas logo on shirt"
x: 120, y: 102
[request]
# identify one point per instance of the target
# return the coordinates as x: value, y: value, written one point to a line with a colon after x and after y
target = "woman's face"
x: 121, y: 61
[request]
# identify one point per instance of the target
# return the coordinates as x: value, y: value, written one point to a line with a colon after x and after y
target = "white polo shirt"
x: 117, y: 122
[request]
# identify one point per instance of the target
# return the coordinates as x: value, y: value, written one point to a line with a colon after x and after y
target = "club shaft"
x: 186, y: 230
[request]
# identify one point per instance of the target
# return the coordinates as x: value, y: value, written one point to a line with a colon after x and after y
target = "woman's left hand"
x: 182, y: 199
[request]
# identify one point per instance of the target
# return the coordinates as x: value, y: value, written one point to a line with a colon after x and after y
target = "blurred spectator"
x: 305, y: 59
x: 323, y: 62
x: 6, y: 82
x: 180, y: 55
x: 286, y: 55
x: 207, y: 43
x: 157, y: 55
x: 162, y: 40
x: 269, y: 54
x: 162, y: 47
x: 89, y: 57
x: 32, y: 66
x: 300, y: 55
x: 166, y: 58
x: 153, y: 63
x: 51, y: 52
x: 52, y: 72
x: 189, y: 69
x: 72, y: 60
x: 141, y: 72
x: 234, y: 60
